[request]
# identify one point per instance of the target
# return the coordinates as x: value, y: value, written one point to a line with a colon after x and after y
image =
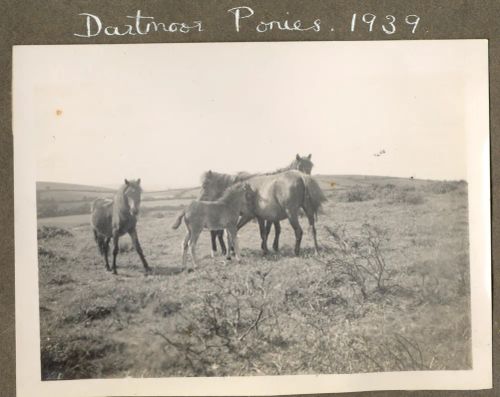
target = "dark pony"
x: 281, y: 196
x: 111, y: 219
x: 213, y: 185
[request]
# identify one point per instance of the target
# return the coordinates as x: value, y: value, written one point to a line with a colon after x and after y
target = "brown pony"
x: 111, y: 219
x: 215, y: 215
x: 281, y: 196
x: 214, y: 184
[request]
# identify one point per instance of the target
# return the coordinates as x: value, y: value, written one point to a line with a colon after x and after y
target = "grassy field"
x: 389, y: 292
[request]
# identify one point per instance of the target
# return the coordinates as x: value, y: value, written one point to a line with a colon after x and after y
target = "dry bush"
x: 390, y: 193
x: 167, y: 308
x: 49, y: 255
x: 443, y: 187
x: 357, y: 194
x: 395, y: 352
x: 77, y: 357
x: 89, y: 311
x: 402, y: 194
x: 231, y: 321
x: 46, y: 232
x: 60, y: 279
x: 360, y: 260
x: 405, y: 197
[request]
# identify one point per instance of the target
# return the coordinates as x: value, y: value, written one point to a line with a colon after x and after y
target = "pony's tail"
x: 314, y: 196
x: 101, y: 243
x: 178, y: 221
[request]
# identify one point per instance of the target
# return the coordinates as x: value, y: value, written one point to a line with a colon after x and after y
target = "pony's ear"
x: 209, y: 173
x: 126, y: 182
x: 309, y: 157
x: 139, y: 181
x: 297, y: 157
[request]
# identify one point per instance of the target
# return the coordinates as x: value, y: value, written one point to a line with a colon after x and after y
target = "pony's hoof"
x: 190, y: 270
x: 115, y: 272
x: 108, y: 269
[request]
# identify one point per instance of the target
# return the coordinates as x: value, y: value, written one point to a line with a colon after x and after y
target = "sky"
x: 168, y: 112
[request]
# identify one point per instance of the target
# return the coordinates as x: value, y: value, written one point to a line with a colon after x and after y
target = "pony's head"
x: 132, y: 195
x: 303, y: 164
x: 240, y: 196
x: 249, y: 195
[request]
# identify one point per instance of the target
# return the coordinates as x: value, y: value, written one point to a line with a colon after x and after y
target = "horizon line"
x: 107, y: 186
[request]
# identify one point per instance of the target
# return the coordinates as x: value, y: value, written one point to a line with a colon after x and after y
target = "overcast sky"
x: 168, y: 112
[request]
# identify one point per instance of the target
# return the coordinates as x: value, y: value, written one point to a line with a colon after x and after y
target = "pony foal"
x: 215, y: 215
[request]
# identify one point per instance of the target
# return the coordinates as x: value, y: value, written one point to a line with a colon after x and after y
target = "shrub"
x: 233, y: 321
x: 406, y: 197
x: 394, y: 352
x: 356, y: 194
x: 443, y: 187
x: 76, y: 358
x: 168, y: 308
x: 49, y: 254
x: 46, y: 232
x: 361, y: 261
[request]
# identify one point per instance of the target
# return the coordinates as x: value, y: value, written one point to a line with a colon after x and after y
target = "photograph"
x: 253, y: 211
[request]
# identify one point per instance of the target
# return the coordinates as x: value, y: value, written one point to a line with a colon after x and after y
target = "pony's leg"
x: 235, y: 243
x: 185, y: 246
x: 230, y: 244
x: 192, y: 246
x: 263, y: 236
x: 138, y: 248
x: 277, y: 231
x: 106, y: 252
x: 116, y: 248
x: 220, y: 235
x: 310, y: 218
x: 294, y: 221
x: 213, y: 236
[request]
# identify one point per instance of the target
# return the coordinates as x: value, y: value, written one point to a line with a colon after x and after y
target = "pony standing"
x: 281, y: 196
x: 214, y: 184
x: 111, y: 219
x: 215, y: 215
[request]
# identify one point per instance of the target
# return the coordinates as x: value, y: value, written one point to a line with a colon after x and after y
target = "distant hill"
x: 70, y: 186
x: 59, y: 199
x: 326, y: 182
x: 339, y: 182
